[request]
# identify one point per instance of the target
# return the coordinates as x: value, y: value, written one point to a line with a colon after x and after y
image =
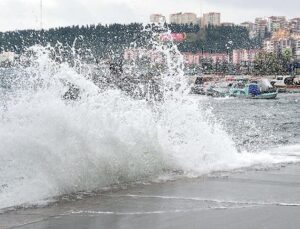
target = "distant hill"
x: 103, y: 40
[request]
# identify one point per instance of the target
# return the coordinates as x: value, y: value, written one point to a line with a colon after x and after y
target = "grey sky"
x: 21, y: 14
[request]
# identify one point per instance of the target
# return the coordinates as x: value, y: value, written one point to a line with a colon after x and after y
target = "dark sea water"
x: 260, y: 124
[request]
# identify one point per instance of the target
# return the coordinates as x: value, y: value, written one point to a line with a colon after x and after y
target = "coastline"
x: 251, y: 198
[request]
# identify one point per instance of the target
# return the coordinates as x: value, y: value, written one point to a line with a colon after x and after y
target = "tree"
x: 272, y: 64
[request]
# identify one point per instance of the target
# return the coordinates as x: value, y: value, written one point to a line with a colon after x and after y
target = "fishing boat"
x: 252, y: 91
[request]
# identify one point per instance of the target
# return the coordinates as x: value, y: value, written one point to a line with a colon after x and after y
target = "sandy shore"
x: 247, y: 199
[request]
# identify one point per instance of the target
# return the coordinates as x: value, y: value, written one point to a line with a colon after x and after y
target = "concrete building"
x: 268, y: 45
x: 228, y: 24
x: 175, y: 18
x: 250, y: 26
x: 191, y: 58
x: 7, y: 57
x: 285, y: 44
x: 297, y: 50
x: 281, y: 41
x: 296, y: 46
x: 184, y: 18
x: 294, y: 24
x: 211, y: 18
x: 196, y: 58
x: 138, y: 53
x: 157, y: 18
x: 244, y: 56
x: 261, y: 26
x: 276, y: 23
x: 189, y: 18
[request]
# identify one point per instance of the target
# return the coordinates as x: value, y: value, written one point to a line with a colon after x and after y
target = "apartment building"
x: 197, y: 58
x: 250, y: 26
x: 240, y: 56
x: 297, y: 49
x: 268, y: 45
x: 294, y: 24
x: 211, y: 18
x: 261, y: 26
x: 7, y: 57
x: 276, y: 23
x: 283, y: 40
x: 227, y: 24
x: 184, y: 18
x: 137, y: 53
x: 157, y: 18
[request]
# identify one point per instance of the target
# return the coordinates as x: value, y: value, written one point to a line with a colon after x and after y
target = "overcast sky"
x: 23, y: 14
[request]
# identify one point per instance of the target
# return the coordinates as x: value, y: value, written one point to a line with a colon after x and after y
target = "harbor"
x: 244, y: 85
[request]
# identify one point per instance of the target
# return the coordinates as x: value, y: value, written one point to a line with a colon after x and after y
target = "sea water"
x: 51, y: 147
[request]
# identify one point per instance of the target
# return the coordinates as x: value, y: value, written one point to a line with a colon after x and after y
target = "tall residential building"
x: 175, y: 18
x: 157, y: 18
x: 184, y: 18
x: 276, y: 23
x: 296, y: 46
x: 297, y: 49
x: 294, y: 24
x: 250, y: 26
x: 189, y: 18
x: 268, y: 45
x: 261, y: 27
x: 284, y: 40
x: 211, y: 18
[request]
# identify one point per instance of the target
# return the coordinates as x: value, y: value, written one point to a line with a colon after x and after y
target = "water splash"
x: 51, y: 146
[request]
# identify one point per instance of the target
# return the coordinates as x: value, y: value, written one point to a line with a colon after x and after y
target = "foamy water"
x: 51, y: 147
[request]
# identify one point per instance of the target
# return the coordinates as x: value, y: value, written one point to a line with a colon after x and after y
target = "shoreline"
x: 248, y: 199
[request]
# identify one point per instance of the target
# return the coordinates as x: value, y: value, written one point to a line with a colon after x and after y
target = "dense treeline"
x: 220, y: 39
x: 273, y: 63
x: 104, y: 39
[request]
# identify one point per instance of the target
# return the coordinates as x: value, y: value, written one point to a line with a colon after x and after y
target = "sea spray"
x: 51, y: 146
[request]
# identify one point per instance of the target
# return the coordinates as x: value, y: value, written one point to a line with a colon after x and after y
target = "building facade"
x: 297, y: 50
x: 244, y: 56
x: 276, y: 23
x: 294, y: 24
x: 197, y: 58
x: 268, y: 45
x: 184, y: 18
x: 7, y: 57
x: 261, y: 27
x: 135, y: 54
x: 227, y: 24
x: 157, y: 18
x: 250, y: 26
x: 211, y: 18
x: 282, y: 41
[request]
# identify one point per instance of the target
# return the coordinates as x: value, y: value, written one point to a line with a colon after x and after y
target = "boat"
x: 200, y: 84
x: 252, y: 91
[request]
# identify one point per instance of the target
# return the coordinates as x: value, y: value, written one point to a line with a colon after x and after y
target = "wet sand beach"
x: 250, y: 198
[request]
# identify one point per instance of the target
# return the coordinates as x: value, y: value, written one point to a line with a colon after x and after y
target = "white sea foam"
x: 51, y: 147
